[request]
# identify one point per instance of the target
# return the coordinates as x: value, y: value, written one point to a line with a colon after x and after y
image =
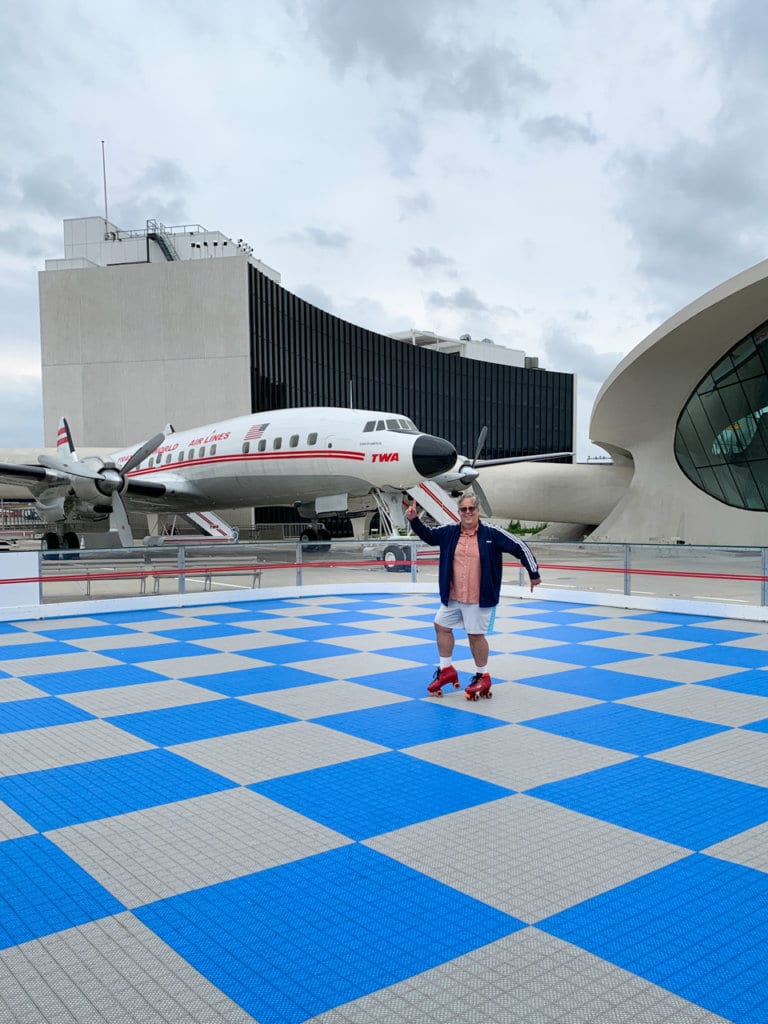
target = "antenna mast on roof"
x: 104, y: 178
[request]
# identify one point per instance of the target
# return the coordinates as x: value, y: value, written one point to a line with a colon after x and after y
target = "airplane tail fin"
x: 64, y: 445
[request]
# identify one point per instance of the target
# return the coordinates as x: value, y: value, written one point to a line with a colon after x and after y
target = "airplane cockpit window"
x: 311, y: 438
x: 294, y: 441
x: 381, y: 425
x: 370, y: 425
x: 393, y: 424
x: 262, y: 445
x: 277, y: 443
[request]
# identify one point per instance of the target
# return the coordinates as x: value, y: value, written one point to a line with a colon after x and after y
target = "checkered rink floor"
x: 253, y: 812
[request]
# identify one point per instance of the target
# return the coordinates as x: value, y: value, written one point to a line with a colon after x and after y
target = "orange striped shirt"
x: 465, y: 581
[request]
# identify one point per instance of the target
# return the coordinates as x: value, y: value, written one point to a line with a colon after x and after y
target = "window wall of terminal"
x: 721, y: 441
x: 302, y: 356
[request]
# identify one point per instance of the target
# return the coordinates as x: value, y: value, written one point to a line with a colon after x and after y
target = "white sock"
x: 445, y: 662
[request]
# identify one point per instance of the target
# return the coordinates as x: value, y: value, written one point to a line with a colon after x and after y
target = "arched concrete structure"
x: 645, y: 496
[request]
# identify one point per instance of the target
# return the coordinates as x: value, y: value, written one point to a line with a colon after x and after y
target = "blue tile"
x: 673, y: 618
x: 755, y: 682
x: 700, y: 634
x: 170, y: 726
x: 85, y: 632
x: 263, y: 679
x: 139, y: 615
x: 425, y: 653
x: 599, y: 683
x: 697, y: 928
x: 408, y: 682
x: 213, y: 631
x: 321, y: 632
x: 9, y: 628
x: 44, y: 649
x: 100, y: 789
x: 581, y: 654
x: 294, y: 941
x: 285, y: 654
x: 136, y: 655
x: 372, y: 795
x: 92, y: 678
x: 44, y: 892
x: 567, y: 634
x: 408, y: 724
x: 619, y: 727
x: 735, y: 657
x: 679, y: 805
x: 38, y: 713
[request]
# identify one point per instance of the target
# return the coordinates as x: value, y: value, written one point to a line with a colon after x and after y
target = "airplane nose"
x: 433, y: 455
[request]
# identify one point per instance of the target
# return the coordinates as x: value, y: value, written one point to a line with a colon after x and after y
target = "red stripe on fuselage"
x: 251, y: 457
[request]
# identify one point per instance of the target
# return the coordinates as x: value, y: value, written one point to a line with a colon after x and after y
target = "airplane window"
x: 262, y: 445
x: 213, y: 449
x: 294, y: 442
x: 150, y: 463
x: 312, y: 439
x: 168, y: 458
x: 380, y: 425
x: 370, y: 425
x: 413, y: 426
x: 191, y: 453
x: 393, y: 425
x: 201, y: 453
x: 181, y: 456
x: 277, y: 443
x: 246, y: 447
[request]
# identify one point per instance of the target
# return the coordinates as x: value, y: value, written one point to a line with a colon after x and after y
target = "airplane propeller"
x: 106, y: 477
x: 468, y: 473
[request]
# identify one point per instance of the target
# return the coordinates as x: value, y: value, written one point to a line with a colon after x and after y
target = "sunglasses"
x: 467, y: 511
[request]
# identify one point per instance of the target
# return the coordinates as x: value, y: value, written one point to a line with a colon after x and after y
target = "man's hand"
x: 411, y: 512
x: 535, y: 581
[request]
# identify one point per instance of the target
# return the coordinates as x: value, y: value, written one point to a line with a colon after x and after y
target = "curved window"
x: 721, y: 441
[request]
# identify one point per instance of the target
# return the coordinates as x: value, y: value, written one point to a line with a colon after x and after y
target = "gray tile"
x: 751, y: 643
x: 75, y: 662
x: 623, y: 625
x: 343, y: 666
x: 200, y: 665
x: 704, y: 703
x: 151, y: 854
x: 77, y: 622
x: 59, y: 745
x: 249, y: 641
x: 12, y: 825
x: 248, y: 757
x: 676, y: 670
x: 516, y: 757
x: 111, y: 971
x: 527, y: 857
x: 374, y: 641
x: 116, y: 642
x: 749, y: 848
x: 17, y: 689
x: 514, y: 643
x: 514, y: 702
x: 525, y: 978
x: 324, y: 699
x: 737, y: 754
x: 639, y: 643
x: 124, y: 700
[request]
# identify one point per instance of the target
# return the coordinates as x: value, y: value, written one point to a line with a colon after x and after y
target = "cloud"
x: 21, y: 412
x: 462, y: 299
x: 432, y: 259
x: 403, y: 139
x: 557, y: 128
x: 425, y: 46
x: 57, y: 188
x: 568, y: 354
x: 413, y: 206
x: 327, y: 239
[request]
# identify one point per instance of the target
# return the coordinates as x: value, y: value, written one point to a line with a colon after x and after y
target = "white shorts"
x: 472, y: 617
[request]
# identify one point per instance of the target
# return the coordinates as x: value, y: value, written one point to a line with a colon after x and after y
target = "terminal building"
x: 181, y: 324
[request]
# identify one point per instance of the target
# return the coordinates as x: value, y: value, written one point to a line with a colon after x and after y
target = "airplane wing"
x: 34, y: 478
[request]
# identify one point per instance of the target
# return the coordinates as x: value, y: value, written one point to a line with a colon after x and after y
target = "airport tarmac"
x: 251, y: 811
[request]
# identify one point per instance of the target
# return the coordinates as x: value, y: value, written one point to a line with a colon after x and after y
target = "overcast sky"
x: 557, y: 175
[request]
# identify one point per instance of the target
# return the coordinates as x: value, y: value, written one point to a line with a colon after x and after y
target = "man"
x: 470, y: 584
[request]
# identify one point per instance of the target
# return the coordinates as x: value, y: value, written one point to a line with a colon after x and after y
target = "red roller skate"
x: 443, y: 676
x: 480, y: 686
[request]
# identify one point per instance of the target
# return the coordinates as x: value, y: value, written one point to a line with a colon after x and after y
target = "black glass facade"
x: 302, y: 355
x: 721, y: 441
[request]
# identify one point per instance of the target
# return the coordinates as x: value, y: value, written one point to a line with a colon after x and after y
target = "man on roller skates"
x: 470, y: 584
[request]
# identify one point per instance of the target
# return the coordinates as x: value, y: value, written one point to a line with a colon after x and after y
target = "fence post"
x: 182, y: 567
x: 299, y: 574
x: 627, y: 580
x: 412, y: 549
x: 764, y: 573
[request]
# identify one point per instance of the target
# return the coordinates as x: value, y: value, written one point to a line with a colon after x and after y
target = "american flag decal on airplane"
x: 255, y: 431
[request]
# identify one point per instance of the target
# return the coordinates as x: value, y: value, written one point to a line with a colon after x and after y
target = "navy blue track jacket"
x: 492, y: 543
